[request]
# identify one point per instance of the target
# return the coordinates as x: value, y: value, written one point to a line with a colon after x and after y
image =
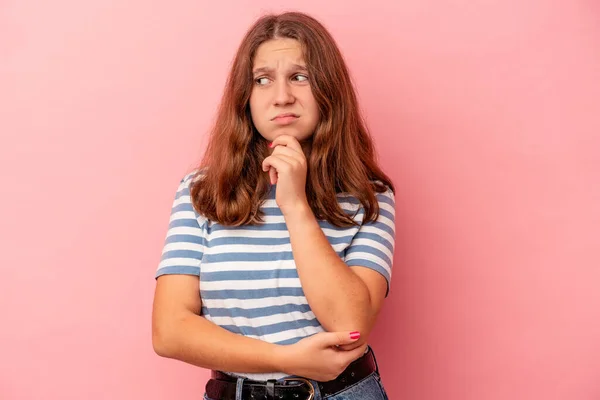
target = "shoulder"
x: 191, y: 177
x: 386, y: 201
x: 184, y: 200
x: 386, y: 196
x: 383, y: 193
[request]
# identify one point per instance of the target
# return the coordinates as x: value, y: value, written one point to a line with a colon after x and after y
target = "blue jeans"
x: 370, y: 388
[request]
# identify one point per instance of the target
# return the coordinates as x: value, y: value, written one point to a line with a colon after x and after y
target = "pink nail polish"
x: 354, y: 335
x: 270, y: 144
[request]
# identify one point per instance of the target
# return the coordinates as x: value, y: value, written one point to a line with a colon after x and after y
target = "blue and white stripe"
x: 249, y: 284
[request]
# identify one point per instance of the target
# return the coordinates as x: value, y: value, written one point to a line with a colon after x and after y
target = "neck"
x: 306, y: 146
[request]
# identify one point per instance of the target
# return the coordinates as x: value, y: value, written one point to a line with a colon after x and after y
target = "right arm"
x: 179, y: 332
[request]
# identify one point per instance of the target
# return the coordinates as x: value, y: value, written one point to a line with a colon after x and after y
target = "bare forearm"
x: 195, y: 340
x: 336, y: 295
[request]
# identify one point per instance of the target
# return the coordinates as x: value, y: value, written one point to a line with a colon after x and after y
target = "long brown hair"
x: 341, y: 158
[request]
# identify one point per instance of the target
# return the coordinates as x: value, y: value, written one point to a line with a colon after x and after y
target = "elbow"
x: 364, y: 325
x: 162, y: 341
x: 158, y: 344
x: 356, y: 317
x: 168, y: 334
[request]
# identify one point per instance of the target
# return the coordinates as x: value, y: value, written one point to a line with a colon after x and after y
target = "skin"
x: 281, y: 85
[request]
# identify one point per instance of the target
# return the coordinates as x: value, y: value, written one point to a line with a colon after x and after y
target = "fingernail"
x: 354, y: 335
x: 270, y: 144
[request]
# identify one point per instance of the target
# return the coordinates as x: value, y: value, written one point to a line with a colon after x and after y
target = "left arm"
x: 341, y: 297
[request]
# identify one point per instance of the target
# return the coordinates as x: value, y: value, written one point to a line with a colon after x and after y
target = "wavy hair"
x: 341, y: 158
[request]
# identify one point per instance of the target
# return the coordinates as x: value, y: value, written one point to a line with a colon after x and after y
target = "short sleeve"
x: 184, y: 245
x: 373, y: 245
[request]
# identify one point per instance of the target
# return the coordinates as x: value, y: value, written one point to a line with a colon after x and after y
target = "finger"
x: 289, y: 152
x: 356, y: 353
x: 288, y: 141
x: 339, y: 338
x: 290, y: 160
x: 351, y: 346
x: 272, y: 165
x: 280, y: 162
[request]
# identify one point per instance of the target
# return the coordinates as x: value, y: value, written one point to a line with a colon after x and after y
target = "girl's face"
x: 281, y: 101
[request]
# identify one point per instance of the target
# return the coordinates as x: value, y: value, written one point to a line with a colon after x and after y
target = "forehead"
x: 276, y: 50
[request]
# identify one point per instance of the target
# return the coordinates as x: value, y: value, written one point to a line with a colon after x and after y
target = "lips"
x: 285, y: 115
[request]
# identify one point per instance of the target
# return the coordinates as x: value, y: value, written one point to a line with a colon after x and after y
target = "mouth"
x: 284, y: 116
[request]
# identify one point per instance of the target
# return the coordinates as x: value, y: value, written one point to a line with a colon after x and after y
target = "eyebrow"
x: 268, y: 69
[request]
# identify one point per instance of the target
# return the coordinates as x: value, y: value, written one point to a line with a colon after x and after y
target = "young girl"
x: 279, y: 250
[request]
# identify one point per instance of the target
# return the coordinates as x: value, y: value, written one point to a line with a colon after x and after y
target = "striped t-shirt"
x: 248, y: 279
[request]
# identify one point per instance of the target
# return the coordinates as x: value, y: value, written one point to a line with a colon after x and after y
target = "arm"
x: 341, y: 298
x: 178, y: 329
x: 179, y: 332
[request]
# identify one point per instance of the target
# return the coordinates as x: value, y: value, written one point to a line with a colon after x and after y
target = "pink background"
x: 486, y: 116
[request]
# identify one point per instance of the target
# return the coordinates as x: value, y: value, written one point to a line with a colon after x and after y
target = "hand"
x: 317, y: 358
x: 287, y: 167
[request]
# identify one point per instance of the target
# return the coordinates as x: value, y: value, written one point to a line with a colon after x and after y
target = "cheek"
x: 258, y: 114
x: 258, y: 102
x: 311, y: 103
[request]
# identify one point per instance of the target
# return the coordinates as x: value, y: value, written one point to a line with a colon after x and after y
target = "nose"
x: 283, y: 93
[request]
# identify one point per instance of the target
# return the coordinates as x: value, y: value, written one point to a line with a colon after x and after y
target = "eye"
x: 301, y: 78
x: 263, y: 80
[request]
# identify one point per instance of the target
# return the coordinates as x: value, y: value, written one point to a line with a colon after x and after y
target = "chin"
x: 300, y: 136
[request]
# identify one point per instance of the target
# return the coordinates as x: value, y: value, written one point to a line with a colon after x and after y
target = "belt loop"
x: 374, y: 359
x: 238, y: 388
x: 270, y: 388
x: 317, y: 388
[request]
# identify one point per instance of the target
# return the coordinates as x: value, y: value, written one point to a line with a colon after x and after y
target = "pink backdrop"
x: 486, y: 116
